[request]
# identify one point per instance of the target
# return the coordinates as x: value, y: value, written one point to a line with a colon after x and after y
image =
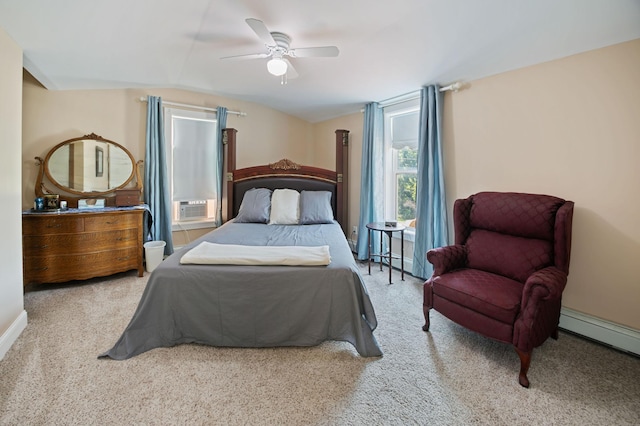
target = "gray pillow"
x: 255, y: 206
x: 315, y: 207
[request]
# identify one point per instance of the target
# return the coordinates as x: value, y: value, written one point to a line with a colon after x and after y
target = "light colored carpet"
x: 449, y: 376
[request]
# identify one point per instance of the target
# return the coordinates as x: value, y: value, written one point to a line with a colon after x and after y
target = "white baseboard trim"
x: 609, y: 333
x: 408, y: 265
x: 620, y: 337
x: 12, y: 333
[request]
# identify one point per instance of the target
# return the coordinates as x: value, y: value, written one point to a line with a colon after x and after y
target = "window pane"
x: 404, y: 130
x: 194, y: 159
x: 406, y: 185
x: 407, y: 159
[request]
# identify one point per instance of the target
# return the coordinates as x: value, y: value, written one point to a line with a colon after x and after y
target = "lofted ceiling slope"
x: 386, y: 48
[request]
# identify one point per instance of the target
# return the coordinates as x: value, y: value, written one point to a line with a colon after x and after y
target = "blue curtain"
x: 371, y: 182
x: 222, y: 124
x: 156, y: 183
x: 431, y: 211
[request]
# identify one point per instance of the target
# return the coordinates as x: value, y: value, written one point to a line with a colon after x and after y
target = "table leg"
x: 369, y: 251
x: 381, y: 254
x: 402, y: 253
x: 390, y: 254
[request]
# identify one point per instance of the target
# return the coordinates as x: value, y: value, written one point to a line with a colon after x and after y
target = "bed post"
x: 342, y: 178
x: 229, y: 141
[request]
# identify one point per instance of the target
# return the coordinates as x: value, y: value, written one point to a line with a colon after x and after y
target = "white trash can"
x: 153, y: 254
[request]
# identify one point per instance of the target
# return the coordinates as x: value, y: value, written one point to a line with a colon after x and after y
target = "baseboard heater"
x: 608, y: 333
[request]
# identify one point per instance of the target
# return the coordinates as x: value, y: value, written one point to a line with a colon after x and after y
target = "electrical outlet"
x: 354, y: 230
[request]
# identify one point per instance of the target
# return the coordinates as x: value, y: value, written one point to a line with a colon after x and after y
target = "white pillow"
x: 284, y: 207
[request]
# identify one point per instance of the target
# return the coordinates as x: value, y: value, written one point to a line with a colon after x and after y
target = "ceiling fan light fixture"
x: 277, y: 66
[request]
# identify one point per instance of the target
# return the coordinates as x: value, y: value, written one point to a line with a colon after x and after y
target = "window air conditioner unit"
x: 193, y: 210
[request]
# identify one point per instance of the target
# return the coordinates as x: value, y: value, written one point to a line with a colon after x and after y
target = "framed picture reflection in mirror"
x: 99, y: 161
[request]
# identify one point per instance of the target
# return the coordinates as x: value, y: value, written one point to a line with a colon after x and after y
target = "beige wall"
x: 569, y: 128
x: 11, y: 302
x: 50, y: 117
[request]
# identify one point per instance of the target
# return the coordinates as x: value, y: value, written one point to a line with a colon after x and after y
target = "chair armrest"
x: 540, y: 308
x: 447, y: 258
x: 545, y: 284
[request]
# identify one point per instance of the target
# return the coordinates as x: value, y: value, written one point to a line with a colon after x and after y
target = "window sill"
x: 409, y: 235
x: 196, y: 224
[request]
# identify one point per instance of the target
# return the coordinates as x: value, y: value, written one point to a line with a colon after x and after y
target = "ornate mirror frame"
x: 72, y: 195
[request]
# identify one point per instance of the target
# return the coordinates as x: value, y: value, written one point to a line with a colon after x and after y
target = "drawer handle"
x: 44, y: 268
x: 44, y: 246
x: 56, y: 225
x: 112, y: 223
x: 124, y: 258
x: 123, y: 238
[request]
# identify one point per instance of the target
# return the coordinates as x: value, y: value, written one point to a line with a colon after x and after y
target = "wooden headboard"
x: 287, y: 174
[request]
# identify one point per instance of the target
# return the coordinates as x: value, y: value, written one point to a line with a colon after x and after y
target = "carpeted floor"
x: 449, y: 376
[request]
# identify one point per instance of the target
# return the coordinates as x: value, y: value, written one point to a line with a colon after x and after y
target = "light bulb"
x: 277, y: 66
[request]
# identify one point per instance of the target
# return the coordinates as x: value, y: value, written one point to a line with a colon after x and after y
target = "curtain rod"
x: 399, y: 99
x: 454, y: 87
x: 241, y: 114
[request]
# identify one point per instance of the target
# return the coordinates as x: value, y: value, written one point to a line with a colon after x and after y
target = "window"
x: 401, y: 122
x: 191, y: 163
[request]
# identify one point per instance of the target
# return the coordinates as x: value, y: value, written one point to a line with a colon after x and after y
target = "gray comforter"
x: 254, y: 306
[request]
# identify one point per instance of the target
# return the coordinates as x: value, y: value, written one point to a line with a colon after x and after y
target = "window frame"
x: 391, y: 171
x: 169, y: 115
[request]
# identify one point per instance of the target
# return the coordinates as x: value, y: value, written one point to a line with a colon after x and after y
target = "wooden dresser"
x: 81, y: 244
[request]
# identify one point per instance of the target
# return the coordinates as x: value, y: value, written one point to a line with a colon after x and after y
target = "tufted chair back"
x: 514, y: 234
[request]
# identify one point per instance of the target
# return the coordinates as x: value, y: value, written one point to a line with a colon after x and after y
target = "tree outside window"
x: 401, y: 161
x: 406, y: 183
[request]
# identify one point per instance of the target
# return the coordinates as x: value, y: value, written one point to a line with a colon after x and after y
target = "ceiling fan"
x: 278, y: 49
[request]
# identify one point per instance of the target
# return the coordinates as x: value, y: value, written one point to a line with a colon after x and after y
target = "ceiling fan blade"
x: 310, y: 52
x: 291, y: 71
x: 261, y: 30
x: 249, y: 56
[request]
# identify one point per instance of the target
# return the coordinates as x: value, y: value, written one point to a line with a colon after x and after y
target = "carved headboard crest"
x: 284, y: 164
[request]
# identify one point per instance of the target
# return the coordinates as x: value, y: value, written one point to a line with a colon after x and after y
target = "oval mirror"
x: 89, y: 165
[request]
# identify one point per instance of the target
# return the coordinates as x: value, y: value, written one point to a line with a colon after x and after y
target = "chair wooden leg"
x: 525, y: 360
x: 426, y: 325
x: 554, y: 334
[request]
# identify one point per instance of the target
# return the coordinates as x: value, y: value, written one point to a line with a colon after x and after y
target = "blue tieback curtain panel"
x: 221, y: 116
x: 431, y: 209
x: 156, y: 182
x: 372, y: 179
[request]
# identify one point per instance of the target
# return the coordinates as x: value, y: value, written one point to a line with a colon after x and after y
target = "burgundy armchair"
x: 504, y: 276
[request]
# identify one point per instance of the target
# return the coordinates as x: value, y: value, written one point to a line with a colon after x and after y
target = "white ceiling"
x: 387, y: 48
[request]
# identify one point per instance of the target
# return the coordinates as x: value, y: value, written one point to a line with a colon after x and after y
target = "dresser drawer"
x: 60, y: 268
x: 41, y: 245
x: 113, y: 221
x: 51, y: 224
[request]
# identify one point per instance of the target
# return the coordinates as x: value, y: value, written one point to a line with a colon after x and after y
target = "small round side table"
x: 389, y: 230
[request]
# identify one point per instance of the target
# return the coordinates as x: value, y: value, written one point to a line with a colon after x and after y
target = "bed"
x: 251, y: 305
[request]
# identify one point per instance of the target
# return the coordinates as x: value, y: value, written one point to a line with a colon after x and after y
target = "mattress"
x: 255, y: 305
